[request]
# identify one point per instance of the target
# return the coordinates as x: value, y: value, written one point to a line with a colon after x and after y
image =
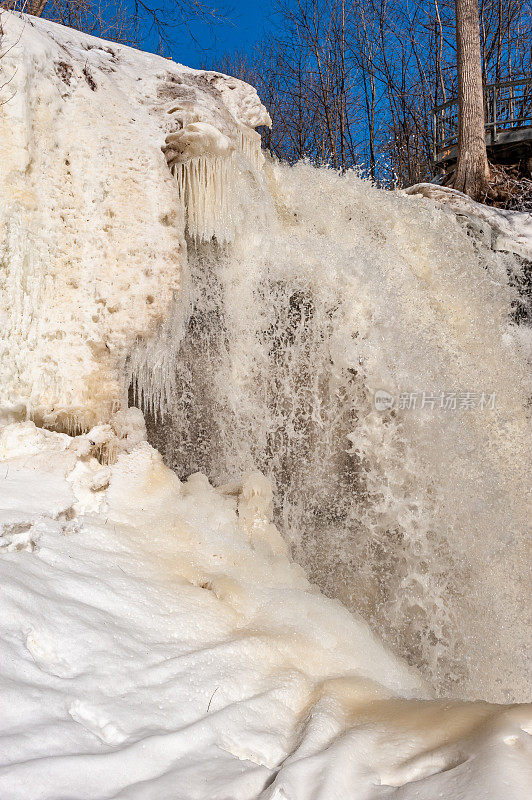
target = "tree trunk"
x: 472, y: 170
x: 37, y: 7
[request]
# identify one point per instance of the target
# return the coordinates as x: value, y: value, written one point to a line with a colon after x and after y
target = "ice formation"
x: 92, y: 241
x: 282, y: 328
x: 203, y: 161
x: 205, y: 189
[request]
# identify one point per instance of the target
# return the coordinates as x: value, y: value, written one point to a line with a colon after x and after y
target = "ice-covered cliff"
x: 157, y: 639
x: 91, y: 223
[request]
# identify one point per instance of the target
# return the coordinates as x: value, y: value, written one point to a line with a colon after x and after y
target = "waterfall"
x: 356, y: 346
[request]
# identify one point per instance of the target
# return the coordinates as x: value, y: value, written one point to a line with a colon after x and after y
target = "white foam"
x: 286, y: 334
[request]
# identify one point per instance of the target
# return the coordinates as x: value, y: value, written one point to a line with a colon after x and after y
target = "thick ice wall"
x: 90, y: 257
x: 91, y: 245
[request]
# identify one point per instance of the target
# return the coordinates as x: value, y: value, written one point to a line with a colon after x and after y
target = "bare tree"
x: 125, y: 21
x: 472, y: 171
x: 355, y: 83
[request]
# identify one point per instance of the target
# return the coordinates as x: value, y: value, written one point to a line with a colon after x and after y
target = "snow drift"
x: 355, y: 346
x: 157, y: 642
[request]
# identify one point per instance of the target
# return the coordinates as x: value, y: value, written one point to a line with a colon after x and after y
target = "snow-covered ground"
x: 156, y: 642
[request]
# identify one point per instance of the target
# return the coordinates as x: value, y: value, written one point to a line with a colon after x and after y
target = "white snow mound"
x: 156, y: 642
x: 509, y: 231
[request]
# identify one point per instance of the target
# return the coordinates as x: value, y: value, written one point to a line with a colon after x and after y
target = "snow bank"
x: 510, y: 231
x: 91, y: 225
x: 157, y: 642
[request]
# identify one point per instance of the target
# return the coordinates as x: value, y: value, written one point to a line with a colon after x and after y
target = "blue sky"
x: 245, y: 24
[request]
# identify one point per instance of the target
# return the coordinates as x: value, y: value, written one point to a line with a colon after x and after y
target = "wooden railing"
x: 508, y: 111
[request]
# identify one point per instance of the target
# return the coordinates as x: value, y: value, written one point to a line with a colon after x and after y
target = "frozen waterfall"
x: 330, y: 370
x: 412, y: 513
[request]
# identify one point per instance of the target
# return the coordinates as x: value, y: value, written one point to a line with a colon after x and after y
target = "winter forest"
x: 345, y: 84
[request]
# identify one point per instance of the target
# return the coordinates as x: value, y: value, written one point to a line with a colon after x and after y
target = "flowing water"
x: 356, y: 346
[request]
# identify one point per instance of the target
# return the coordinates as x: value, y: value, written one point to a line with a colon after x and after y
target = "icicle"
x: 250, y: 141
x: 206, y: 168
x: 205, y: 185
x: 207, y: 189
x: 150, y: 368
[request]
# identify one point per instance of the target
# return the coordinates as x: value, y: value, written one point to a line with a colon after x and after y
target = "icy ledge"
x: 510, y: 231
x: 157, y: 642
